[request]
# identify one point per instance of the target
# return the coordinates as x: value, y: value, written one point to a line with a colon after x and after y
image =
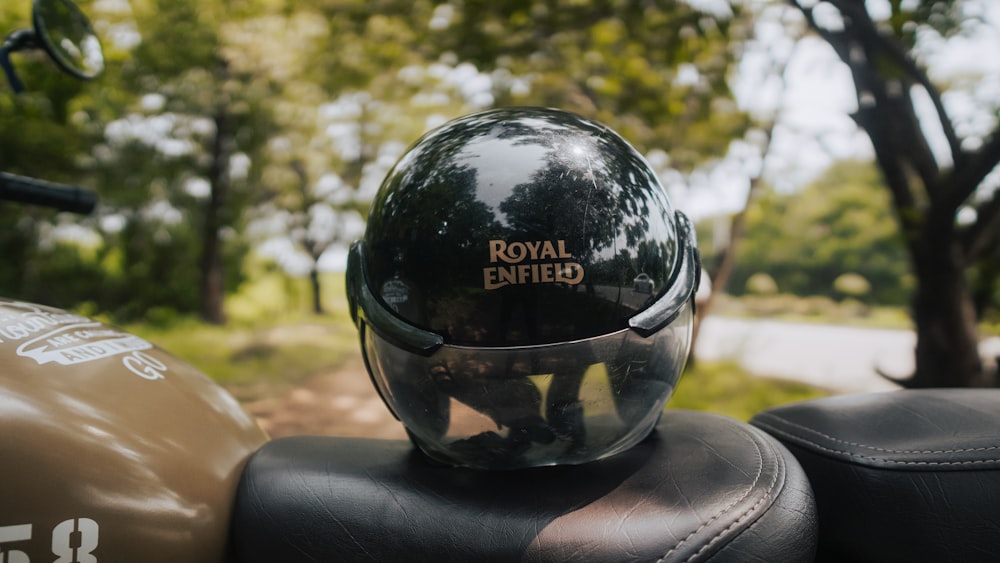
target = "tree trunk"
x: 719, y: 277
x: 316, y: 293
x: 944, y: 314
x: 212, y: 286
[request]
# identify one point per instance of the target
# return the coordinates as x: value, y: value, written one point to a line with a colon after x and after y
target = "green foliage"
x: 852, y: 285
x: 814, y: 309
x: 271, y: 293
x: 280, y: 353
x: 728, y: 389
x: 761, y: 284
x: 656, y: 72
x: 842, y: 223
x: 231, y: 94
x: 273, y: 340
x: 82, y: 276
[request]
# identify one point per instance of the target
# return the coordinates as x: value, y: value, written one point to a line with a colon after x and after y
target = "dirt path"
x: 340, y: 403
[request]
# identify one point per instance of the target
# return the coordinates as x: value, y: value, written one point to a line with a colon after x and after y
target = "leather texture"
x: 702, y: 488
x: 900, y: 476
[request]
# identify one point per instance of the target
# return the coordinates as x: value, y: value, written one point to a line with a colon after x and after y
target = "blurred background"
x: 838, y: 157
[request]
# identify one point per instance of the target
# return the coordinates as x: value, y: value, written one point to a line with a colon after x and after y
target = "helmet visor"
x: 504, y: 408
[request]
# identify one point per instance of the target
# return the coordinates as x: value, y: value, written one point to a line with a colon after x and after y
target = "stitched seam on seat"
x: 795, y: 437
x: 717, y: 515
x: 875, y: 448
x: 747, y: 513
x: 743, y: 517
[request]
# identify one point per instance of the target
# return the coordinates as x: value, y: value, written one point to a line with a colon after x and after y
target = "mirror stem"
x: 16, y: 41
x: 15, y: 83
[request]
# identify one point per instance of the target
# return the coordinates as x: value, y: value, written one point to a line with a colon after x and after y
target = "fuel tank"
x: 111, y: 450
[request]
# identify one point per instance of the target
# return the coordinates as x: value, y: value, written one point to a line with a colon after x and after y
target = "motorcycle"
x: 113, y: 450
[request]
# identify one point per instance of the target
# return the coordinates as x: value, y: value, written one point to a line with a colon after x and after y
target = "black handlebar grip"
x: 63, y: 197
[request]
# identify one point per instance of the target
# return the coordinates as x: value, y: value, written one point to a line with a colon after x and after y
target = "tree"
x: 197, y: 123
x: 841, y: 222
x: 212, y: 108
x: 360, y: 91
x: 765, y: 117
x: 656, y: 72
x: 900, y: 107
x: 41, y: 136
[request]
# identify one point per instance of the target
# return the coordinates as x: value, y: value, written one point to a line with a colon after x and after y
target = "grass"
x: 822, y: 310
x: 726, y: 388
x: 286, y: 352
x: 271, y: 340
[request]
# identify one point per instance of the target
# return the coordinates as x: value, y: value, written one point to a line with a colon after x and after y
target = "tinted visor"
x: 504, y: 408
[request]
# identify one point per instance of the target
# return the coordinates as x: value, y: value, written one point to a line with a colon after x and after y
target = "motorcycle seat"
x: 703, y: 487
x: 901, y: 475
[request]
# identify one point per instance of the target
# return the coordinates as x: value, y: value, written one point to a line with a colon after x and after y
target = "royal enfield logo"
x: 532, y: 262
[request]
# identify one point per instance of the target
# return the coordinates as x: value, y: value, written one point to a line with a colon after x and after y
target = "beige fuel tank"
x: 111, y: 450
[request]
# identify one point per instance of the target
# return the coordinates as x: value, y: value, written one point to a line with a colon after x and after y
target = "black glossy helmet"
x: 524, y: 291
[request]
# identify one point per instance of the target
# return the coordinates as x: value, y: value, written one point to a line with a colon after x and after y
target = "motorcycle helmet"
x: 523, y: 291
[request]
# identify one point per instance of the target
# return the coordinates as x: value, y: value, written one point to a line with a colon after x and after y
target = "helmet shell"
x: 520, y: 226
x: 112, y: 449
x: 523, y: 291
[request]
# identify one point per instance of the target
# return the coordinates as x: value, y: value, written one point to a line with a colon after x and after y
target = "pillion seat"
x: 901, y: 475
x: 702, y: 488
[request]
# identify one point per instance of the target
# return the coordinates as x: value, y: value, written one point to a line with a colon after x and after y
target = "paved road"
x: 837, y: 357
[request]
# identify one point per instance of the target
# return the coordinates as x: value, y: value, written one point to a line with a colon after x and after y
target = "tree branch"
x: 885, y: 150
x: 901, y: 145
x: 974, y: 168
x: 857, y: 15
x: 907, y: 64
x: 976, y: 239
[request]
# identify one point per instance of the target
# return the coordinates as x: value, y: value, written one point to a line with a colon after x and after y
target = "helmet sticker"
x: 395, y: 292
x: 531, y: 262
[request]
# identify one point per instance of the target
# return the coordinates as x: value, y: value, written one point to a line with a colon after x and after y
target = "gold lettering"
x: 523, y: 273
x: 496, y: 250
x: 506, y: 275
x: 548, y: 251
x: 562, y: 250
x: 516, y: 252
x: 533, y: 248
x: 534, y: 271
x: 490, y: 279
x: 545, y: 273
x: 496, y: 277
x: 571, y: 273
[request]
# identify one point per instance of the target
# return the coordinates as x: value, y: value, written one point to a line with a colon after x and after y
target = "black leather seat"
x: 702, y: 488
x: 901, y: 475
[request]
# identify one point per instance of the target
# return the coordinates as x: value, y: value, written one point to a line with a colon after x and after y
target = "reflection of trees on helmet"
x: 519, y: 176
x: 495, y: 289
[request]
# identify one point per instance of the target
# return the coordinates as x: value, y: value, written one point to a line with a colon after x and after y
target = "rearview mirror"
x: 65, y: 33
x: 67, y: 36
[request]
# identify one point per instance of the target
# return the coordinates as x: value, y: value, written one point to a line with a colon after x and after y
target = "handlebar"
x: 63, y: 197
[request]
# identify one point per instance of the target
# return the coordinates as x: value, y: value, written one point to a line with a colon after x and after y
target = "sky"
x: 814, y: 128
